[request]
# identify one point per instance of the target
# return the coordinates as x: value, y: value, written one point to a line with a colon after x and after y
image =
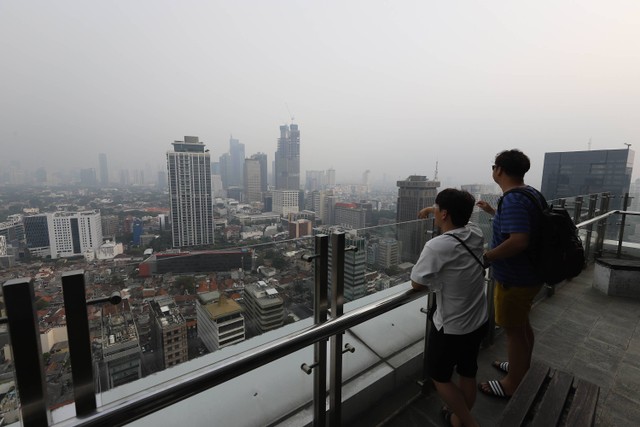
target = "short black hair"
x: 514, y: 162
x: 458, y: 204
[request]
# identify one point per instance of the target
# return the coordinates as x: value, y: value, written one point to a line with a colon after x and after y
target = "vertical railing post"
x: 602, y: 226
x: 75, y: 306
x: 491, y: 322
x: 577, y: 210
x: 320, y: 316
x: 593, y: 198
x: 337, y: 302
x: 24, y: 334
x: 625, y: 204
x: 425, y: 383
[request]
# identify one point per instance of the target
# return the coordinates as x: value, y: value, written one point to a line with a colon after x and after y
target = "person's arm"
x: 513, y: 245
x: 424, y: 212
x: 486, y: 207
x: 418, y: 286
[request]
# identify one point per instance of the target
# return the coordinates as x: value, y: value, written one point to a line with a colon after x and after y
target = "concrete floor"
x: 579, y: 330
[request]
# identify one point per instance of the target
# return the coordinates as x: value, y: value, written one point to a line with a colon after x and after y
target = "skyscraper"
x: 236, y: 166
x: 104, y: 171
x: 414, y: 193
x: 262, y: 159
x: 331, y: 177
x: 576, y: 173
x: 252, y: 181
x: 287, y: 161
x: 189, y: 170
x: 225, y: 167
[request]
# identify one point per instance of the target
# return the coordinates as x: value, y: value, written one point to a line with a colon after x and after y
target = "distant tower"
x: 104, y: 170
x: 262, y: 159
x: 287, y: 159
x: 236, y: 153
x: 331, y: 177
x: 252, y: 181
x: 189, y: 170
x: 365, y: 179
x: 414, y: 193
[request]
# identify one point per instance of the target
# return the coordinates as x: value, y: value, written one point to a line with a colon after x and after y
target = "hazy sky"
x: 389, y: 86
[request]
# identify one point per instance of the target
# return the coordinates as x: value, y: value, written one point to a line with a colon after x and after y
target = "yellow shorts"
x: 513, y: 304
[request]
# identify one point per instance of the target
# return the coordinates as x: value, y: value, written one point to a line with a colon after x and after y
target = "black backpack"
x: 556, y: 251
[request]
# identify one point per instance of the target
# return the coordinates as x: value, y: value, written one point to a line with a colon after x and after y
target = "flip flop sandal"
x: 501, y: 366
x: 493, y: 388
x: 446, y: 415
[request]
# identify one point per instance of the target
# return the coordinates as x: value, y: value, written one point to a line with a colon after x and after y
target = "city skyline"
x: 382, y: 87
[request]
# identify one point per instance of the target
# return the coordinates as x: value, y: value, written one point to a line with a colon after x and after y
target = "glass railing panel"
x: 266, y: 394
x: 185, y: 306
x: 384, y: 257
x: 10, y: 404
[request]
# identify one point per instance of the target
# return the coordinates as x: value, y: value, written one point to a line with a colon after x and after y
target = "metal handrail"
x: 152, y: 400
x: 605, y: 215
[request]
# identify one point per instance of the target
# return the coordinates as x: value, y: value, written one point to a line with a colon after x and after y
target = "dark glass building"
x: 36, y: 231
x: 576, y: 173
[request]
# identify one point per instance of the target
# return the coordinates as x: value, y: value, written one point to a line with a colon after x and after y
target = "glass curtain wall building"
x: 572, y: 173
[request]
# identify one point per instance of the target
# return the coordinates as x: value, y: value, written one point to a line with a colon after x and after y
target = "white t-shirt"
x: 447, y: 268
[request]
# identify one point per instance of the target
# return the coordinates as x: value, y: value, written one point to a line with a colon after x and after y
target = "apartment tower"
x: 189, y: 170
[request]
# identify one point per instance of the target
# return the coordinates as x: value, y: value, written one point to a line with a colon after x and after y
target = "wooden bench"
x: 550, y: 397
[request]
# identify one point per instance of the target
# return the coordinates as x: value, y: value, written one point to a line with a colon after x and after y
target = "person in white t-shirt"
x: 450, y: 264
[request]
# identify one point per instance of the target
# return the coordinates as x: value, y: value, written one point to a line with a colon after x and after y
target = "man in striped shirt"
x: 516, y: 282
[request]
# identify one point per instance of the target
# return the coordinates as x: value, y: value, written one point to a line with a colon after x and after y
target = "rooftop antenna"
x: 435, y: 175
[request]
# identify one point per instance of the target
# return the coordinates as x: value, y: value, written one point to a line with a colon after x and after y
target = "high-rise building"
x: 220, y: 320
x: 387, y: 253
x: 120, y: 363
x: 104, y: 170
x: 331, y: 177
x: 285, y: 201
x: 414, y: 193
x: 576, y: 173
x: 110, y: 226
x: 170, y: 330
x: 264, y: 306
x: 191, y: 199
x: 252, y: 180
x: 225, y: 168
x: 349, y: 215
x: 236, y: 166
x: 88, y: 177
x: 287, y: 159
x: 74, y: 233
x: 315, y: 180
x: 355, y: 262
x: 262, y: 159
x: 125, y: 180
x: 161, y: 182
x: 13, y: 229
x: 36, y: 229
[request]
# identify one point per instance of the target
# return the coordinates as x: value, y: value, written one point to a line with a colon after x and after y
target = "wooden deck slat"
x: 518, y: 407
x: 583, y: 409
x: 554, y: 400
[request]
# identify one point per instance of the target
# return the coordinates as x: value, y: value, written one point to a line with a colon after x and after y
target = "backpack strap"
x: 539, y: 201
x: 467, y: 248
